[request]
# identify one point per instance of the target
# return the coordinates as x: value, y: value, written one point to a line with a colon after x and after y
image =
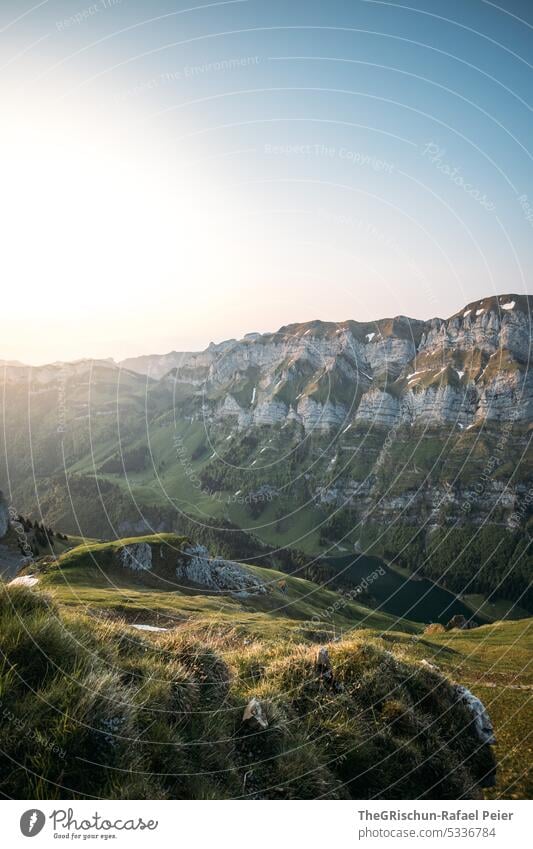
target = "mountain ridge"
x: 387, y: 323
x: 157, y: 363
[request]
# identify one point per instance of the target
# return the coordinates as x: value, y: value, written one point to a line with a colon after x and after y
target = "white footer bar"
x: 268, y: 825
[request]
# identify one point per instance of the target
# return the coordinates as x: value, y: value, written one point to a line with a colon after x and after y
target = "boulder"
x: 485, y: 733
x: 323, y: 662
x: 325, y: 671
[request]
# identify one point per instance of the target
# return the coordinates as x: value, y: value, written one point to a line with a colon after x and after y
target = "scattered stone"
x: 24, y: 581
x: 322, y: 661
x: 325, y: 671
x: 254, y: 714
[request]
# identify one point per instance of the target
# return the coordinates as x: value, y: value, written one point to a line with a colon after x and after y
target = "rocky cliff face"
x: 465, y: 369
x: 395, y: 418
x: 136, y: 556
x: 470, y: 367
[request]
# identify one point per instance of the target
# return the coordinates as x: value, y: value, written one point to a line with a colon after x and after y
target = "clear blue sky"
x: 177, y: 173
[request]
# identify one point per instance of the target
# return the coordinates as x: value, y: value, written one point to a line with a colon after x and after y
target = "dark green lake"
x: 419, y: 600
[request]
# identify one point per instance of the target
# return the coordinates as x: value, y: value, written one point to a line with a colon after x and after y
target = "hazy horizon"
x: 182, y: 349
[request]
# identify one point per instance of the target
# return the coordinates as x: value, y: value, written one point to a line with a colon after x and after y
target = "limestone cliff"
x: 470, y: 367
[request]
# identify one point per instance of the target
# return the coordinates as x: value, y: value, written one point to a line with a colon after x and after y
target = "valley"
x: 399, y: 439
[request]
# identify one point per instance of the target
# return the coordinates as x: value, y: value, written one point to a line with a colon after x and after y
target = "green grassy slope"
x: 92, y: 708
x: 266, y: 645
x: 88, y: 575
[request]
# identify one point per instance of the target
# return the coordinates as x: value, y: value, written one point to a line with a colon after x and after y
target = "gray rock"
x: 322, y: 660
x: 224, y: 576
x: 136, y: 556
x: 481, y: 719
x: 254, y: 714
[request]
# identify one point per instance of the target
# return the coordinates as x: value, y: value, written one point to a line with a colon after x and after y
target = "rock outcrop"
x: 254, y: 715
x: 136, y: 556
x: 197, y: 567
x: 481, y: 719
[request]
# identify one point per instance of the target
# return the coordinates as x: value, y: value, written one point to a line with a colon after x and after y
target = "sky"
x: 176, y: 173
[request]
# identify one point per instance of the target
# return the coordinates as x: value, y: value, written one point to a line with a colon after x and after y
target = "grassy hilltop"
x: 93, y: 705
x: 292, y: 607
